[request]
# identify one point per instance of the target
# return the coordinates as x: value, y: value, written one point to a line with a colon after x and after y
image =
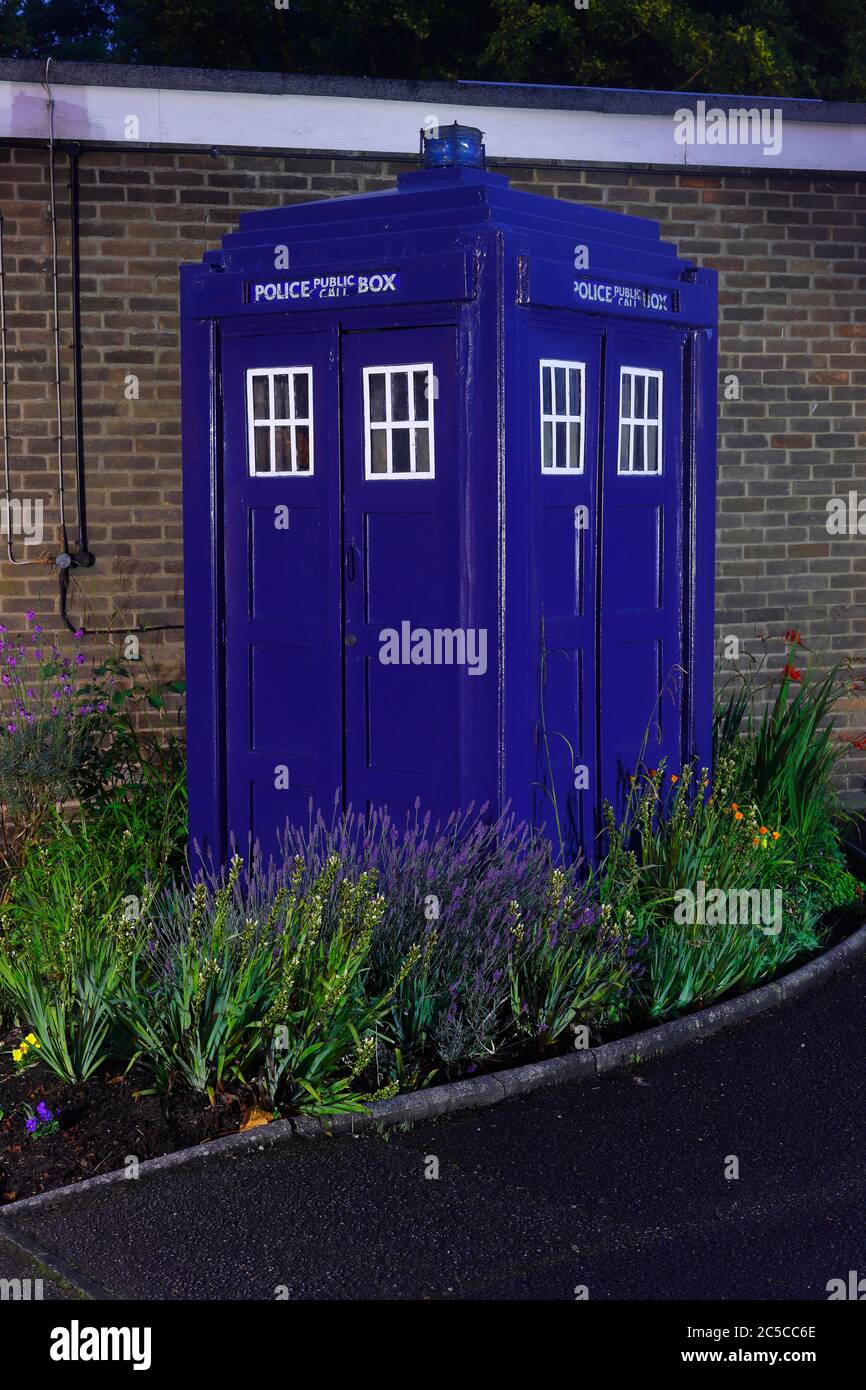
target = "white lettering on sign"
x: 624, y: 296
x: 351, y: 285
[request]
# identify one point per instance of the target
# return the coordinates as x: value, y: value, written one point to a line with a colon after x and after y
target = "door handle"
x: 350, y: 563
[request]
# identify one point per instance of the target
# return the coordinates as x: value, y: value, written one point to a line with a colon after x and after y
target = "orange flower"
x: 762, y: 830
x: 674, y: 778
x: 775, y: 834
x: 738, y: 815
x: 734, y: 806
x: 756, y: 841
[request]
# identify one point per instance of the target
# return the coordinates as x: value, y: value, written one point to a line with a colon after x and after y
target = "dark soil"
x: 101, y: 1122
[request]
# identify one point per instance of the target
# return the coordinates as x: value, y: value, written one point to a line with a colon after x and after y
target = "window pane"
x: 652, y: 449
x: 378, y: 451
x: 625, y: 395
x: 637, y: 465
x: 546, y: 399
x: 263, y: 448
x: 261, y: 403
x: 282, y: 409
x: 639, y: 384
x: 547, y: 444
x: 561, y: 445
x: 302, y: 396
x: 302, y: 448
x: 623, y: 448
x: 420, y: 388
x: 422, y: 451
x: 400, y: 450
x: 574, y: 446
x: 377, y: 396
x: 283, y: 449
x: 652, y: 409
x: 559, y: 388
x: 400, y: 397
x: 574, y: 402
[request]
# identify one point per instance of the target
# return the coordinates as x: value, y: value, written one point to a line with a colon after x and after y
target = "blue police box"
x: 449, y: 475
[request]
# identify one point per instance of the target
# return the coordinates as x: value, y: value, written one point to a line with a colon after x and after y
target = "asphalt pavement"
x: 619, y: 1188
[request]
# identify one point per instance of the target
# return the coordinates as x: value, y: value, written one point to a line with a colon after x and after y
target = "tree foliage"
x: 789, y: 48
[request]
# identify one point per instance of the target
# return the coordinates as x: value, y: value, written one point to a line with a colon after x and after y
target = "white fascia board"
x: 370, y: 126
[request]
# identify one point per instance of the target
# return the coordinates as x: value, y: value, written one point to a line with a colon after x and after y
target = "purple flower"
x: 30, y: 1124
x: 30, y: 615
x: 79, y: 633
x: 43, y: 1112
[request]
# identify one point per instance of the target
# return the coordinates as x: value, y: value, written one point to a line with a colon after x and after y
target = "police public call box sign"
x: 354, y: 285
x: 604, y: 293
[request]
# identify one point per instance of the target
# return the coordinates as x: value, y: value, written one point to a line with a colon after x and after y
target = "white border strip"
x: 352, y: 124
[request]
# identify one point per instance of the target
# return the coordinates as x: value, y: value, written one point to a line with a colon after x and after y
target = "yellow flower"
x: 17, y: 1054
x: 36, y: 1042
x: 24, y: 1049
x: 31, y: 1038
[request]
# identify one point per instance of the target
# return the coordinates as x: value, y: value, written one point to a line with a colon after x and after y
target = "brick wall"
x: 790, y: 252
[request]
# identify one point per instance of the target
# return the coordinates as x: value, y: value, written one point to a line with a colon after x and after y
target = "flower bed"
x: 145, y: 1011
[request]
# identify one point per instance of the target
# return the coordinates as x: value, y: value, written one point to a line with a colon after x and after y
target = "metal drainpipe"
x: 63, y: 559
x: 83, y: 556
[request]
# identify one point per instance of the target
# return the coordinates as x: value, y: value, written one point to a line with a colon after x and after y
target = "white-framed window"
x: 561, y: 416
x: 640, y: 420
x: 398, y: 421
x: 280, y: 415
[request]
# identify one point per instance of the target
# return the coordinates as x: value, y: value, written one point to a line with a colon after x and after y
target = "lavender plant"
x: 49, y: 732
x: 453, y: 894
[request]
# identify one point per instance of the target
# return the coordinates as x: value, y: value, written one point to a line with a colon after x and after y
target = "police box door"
x: 645, y: 489
x: 402, y: 640
x: 281, y: 580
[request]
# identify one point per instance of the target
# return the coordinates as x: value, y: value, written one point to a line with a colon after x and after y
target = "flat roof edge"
x: 468, y: 93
